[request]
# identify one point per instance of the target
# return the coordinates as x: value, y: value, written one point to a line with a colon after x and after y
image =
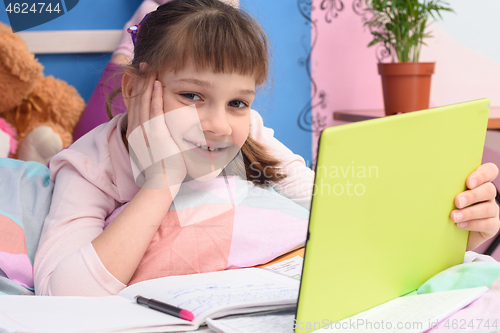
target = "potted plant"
x: 400, y: 26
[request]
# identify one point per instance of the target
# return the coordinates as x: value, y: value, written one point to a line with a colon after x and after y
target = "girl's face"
x: 208, y: 115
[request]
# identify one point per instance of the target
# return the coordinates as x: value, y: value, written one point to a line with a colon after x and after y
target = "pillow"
x: 221, y: 224
x: 26, y: 194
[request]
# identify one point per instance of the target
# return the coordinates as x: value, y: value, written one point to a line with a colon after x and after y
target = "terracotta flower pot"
x: 406, y: 86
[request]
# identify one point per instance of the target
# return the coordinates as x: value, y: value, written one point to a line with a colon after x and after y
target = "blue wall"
x: 290, y: 88
x: 279, y: 102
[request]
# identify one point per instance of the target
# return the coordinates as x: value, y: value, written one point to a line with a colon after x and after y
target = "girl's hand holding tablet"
x: 477, y: 209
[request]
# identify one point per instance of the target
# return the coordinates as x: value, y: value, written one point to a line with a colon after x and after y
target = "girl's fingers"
x: 157, y: 100
x: 484, y: 174
x: 488, y: 226
x: 134, y: 107
x: 487, y: 209
x: 139, y: 87
x: 145, y: 99
x: 135, y: 103
x: 481, y: 193
x: 158, y: 132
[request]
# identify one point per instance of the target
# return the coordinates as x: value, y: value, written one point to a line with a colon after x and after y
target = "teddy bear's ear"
x: 17, y: 59
x: 4, y: 28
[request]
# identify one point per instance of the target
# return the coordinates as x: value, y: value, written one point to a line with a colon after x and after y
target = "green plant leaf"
x: 400, y: 25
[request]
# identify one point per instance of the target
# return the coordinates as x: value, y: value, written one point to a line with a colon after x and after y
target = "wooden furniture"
x: 71, y: 41
x: 359, y: 115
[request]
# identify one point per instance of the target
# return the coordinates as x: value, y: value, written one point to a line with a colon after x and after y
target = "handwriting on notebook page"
x: 202, y: 293
x: 206, y: 297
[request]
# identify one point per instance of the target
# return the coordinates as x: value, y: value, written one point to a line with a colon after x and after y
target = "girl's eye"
x: 237, y: 104
x: 191, y: 96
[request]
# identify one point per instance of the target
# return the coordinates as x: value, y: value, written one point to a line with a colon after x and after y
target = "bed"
x: 18, y: 246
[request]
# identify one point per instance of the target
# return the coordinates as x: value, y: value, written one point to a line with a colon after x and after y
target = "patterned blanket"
x: 25, y: 195
x: 223, y: 223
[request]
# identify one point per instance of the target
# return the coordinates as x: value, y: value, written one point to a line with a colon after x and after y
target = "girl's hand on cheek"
x: 478, y: 210
x: 156, y: 159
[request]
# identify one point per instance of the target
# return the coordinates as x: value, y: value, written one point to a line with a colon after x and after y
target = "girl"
x: 195, y: 68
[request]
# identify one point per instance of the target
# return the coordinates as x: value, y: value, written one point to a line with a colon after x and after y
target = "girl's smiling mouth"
x: 212, y: 147
x: 207, y: 147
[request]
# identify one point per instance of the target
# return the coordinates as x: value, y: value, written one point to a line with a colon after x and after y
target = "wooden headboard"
x: 72, y: 41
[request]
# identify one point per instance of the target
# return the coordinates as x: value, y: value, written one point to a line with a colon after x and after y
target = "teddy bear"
x: 43, y: 110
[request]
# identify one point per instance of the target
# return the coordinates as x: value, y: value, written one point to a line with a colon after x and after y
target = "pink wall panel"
x: 341, y: 65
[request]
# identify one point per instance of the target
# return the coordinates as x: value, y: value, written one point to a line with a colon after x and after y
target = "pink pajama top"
x: 93, y: 178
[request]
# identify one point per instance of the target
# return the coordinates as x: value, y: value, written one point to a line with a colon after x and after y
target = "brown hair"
x: 215, y: 36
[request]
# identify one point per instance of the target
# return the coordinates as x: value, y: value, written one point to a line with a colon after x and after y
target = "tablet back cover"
x: 380, y: 217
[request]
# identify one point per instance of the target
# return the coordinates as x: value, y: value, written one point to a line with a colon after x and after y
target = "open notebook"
x: 206, y: 295
x: 408, y: 314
